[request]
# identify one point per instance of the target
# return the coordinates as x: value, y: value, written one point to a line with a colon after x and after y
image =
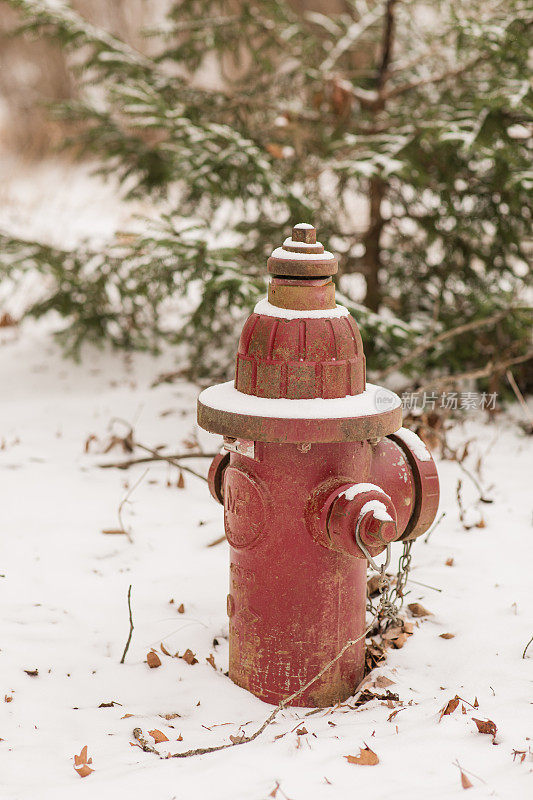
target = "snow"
x: 359, y: 488
x: 268, y: 310
x: 63, y: 595
x: 225, y: 397
x: 289, y: 255
x: 378, y: 510
x: 414, y: 443
x: 311, y: 246
x: 64, y: 612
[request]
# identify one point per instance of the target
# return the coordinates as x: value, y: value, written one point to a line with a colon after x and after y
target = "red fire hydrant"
x: 318, y: 469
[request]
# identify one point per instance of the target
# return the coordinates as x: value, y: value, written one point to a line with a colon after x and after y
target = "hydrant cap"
x: 301, y: 256
x: 300, y: 372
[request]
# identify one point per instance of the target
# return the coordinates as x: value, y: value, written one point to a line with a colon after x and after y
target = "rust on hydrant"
x: 313, y: 453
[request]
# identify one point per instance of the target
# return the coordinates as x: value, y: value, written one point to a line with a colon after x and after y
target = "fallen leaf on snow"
x: 486, y: 726
x: 171, y: 716
x: 181, y: 481
x: 211, y: 660
x: 447, y: 635
x: 418, y: 610
x: 449, y: 562
x: 153, y: 659
x: 81, y: 764
x: 164, y: 650
x: 158, y: 736
x: 465, y: 782
x: 181, y: 609
x: 127, y: 716
x: 189, y: 657
x: 301, y: 731
x: 32, y: 672
x: 382, y: 682
x: 366, y: 758
x: 8, y: 698
x: 450, y: 707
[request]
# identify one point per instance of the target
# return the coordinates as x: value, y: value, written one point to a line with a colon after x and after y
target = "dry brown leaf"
x: 181, y: 609
x: 450, y: 707
x: 236, y: 739
x: 8, y: 698
x: 486, y: 726
x: 164, y: 650
x: 449, y: 562
x: 81, y: 763
x: 373, y: 584
x: 391, y: 716
x: 274, y: 149
x: 181, y: 481
x: 211, y: 660
x: 171, y: 716
x: 466, y: 783
x: 7, y: 321
x: 153, y: 660
x: 366, y: 757
x: 447, y: 635
x: 127, y: 716
x: 418, y: 610
x: 476, y: 704
x: 301, y: 731
x: 382, y: 682
x: 189, y: 657
x: 32, y: 672
x: 158, y: 736
x: 400, y: 640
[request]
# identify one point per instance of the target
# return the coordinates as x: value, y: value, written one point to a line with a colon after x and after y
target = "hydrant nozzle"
x: 318, y: 476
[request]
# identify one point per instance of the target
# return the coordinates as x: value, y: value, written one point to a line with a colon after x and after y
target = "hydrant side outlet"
x: 318, y: 473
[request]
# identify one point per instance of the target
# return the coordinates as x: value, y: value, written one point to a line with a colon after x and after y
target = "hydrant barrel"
x: 318, y: 476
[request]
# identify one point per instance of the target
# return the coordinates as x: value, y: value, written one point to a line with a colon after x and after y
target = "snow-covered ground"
x: 64, y: 584
x: 63, y: 590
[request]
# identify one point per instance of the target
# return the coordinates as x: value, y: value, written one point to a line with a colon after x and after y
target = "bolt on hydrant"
x: 318, y: 476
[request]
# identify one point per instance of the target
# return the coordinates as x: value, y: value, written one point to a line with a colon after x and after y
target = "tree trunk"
x: 372, y: 243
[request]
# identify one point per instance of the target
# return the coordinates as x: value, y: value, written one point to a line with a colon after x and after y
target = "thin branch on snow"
x: 125, y: 500
x: 131, y: 627
x: 243, y: 739
x: 154, y: 453
x: 149, y: 459
x: 526, y: 647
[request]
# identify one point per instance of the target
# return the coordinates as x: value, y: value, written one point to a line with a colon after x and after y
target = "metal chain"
x: 391, y: 597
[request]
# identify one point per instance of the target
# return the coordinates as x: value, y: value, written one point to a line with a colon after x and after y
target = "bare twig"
x: 520, y: 397
x: 243, y: 739
x: 155, y: 453
x: 131, y: 627
x: 427, y: 344
x: 149, y: 459
x: 526, y: 647
x: 435, y: 525
x: 396, y: 91
x: 485, y: 372
x: 454, y: 455
x: 125, y: 500
x: 217, y: 541
x: 426, y: 585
